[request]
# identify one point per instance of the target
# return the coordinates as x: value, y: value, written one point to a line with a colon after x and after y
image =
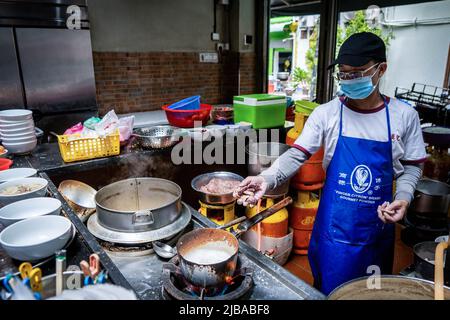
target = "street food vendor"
x: 370, y: 141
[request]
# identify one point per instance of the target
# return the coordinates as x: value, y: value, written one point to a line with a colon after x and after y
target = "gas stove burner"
x: 139, y: 250
x: 175, y: 286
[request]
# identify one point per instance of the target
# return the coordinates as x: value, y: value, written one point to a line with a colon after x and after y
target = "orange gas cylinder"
x: 311, y: 173
x: 275, y: 226
x: 302, y: 216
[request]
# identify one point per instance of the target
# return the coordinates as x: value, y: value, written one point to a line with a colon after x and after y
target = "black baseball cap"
x: 359, y: 49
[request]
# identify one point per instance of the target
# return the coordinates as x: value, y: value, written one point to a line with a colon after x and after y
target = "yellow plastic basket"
x: 73, y: 149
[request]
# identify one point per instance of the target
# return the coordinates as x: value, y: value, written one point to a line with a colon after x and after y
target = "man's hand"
x: 250, y: 191
x: 394, y: 212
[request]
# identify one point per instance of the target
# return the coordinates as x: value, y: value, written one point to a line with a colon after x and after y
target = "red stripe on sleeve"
x: 306, y: 152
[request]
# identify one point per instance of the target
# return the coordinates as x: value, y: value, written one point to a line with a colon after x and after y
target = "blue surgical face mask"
x: 359, y: 88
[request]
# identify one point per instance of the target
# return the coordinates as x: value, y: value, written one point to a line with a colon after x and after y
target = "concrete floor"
x: 299, y: 265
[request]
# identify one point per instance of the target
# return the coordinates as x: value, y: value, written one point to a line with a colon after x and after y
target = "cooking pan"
x: 79, y: 196
x: 208, y: 257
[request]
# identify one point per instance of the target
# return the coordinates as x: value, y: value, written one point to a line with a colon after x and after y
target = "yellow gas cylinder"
x: 275, y: 226
x: 301, y: 218
x: 299, y: 124
x: 219, y: 214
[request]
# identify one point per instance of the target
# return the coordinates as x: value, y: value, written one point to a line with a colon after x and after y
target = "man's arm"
x: 284, y: 167
x: 407, y: 182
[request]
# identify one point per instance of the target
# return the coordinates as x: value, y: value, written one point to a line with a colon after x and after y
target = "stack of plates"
x: 17, y: 131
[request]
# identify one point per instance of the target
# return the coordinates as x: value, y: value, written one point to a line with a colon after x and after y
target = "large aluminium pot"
x: 208, y: 257
x: 138, y: 204
x: 432, y: 198
x: 391, y: 288
x: 261, y: 156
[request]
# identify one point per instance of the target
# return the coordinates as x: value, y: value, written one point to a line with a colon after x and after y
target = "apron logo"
x: 361, y: 179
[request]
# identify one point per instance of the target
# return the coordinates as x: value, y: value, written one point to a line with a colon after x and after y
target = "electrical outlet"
x: 248, y: 40
x: 220, y: 47
x: 215, y: 36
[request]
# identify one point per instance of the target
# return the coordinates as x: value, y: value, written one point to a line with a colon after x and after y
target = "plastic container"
x: 5, y: 164
x: 88, y: 148
x: 305, y: 107
x: 191, y: 103
x: 186, y: 118
x: 262, y: 110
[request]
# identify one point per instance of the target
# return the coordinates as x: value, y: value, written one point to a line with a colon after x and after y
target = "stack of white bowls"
x: 17, y: 131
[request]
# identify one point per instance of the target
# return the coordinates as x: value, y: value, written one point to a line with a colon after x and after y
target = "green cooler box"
x: 262, y: 110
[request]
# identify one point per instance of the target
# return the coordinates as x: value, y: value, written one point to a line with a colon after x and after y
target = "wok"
x: 79, y: 196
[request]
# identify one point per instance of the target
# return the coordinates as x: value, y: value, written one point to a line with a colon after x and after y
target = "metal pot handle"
x: 143, y: 218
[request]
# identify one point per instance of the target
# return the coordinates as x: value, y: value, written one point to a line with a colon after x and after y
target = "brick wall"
x: 131, y: 82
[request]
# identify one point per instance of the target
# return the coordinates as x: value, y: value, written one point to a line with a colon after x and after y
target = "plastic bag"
x: 74, y: 129
x: 126, y: 128
x: 91, y: 122
x: 108, y: 124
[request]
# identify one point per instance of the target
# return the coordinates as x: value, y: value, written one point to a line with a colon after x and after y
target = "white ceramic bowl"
x: 199, y: 134
x: 16, y: 115
x: 25, y: 130
x: 23, y: 139
x: 216, y: 130
x: 7, y: 199
x: 36, y: 238
x: 29, y: 208
x: 21, y: 135
x: 16, y: 126
x: 16, y: 173
x: 20, y: 148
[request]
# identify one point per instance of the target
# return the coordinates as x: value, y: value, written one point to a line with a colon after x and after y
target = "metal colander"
x: 157, y: 137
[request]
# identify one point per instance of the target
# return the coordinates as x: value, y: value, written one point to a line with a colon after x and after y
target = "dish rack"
x: 74, y: 148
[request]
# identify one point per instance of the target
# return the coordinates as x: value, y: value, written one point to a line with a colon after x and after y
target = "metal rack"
x: 424, y: 94
x: 431, y: 102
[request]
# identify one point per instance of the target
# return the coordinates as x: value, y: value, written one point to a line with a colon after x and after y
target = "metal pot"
x: 138, y: 204
x: 218, y: 272
x: 261, y: 157
x: 424, y: 261
x: 210, y: 198
x: 391, y: 288
x: 432, y: 198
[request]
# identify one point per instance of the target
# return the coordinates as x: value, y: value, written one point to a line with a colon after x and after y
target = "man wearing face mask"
x: 370, y: 140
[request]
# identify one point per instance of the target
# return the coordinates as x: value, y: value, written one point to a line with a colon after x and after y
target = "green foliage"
x: 299, y: 75
x: 359, y: 24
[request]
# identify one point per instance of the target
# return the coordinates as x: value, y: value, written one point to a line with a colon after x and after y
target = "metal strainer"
x: 158, y: 137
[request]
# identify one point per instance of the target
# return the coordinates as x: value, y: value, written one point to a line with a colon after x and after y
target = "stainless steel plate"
x: 140, y: 237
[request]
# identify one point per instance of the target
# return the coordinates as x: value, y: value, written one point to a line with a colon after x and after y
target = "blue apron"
x: 348, y: 237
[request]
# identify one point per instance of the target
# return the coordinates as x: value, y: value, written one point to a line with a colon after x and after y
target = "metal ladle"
x: 168, y: 252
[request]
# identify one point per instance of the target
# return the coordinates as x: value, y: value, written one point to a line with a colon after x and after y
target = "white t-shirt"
x: 322, y: 128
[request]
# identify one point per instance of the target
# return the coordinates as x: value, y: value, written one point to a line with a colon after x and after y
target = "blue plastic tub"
x: 191, y: 103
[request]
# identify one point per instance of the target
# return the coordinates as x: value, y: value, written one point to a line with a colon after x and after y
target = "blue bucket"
x: 191, y: 103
